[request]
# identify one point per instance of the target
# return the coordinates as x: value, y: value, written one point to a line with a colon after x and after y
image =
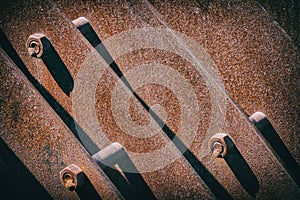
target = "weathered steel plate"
x: 40, y: 139
x: 206, y: 67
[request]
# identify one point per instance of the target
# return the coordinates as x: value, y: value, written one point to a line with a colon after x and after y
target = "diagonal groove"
x: 89, y: 33
x: 116, y: 178
x: 271, y: 136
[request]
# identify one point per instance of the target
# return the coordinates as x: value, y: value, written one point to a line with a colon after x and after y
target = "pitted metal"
x: 72, y: 177
x: 221, y: 145
x: 37, y: 44
x: 258, y: 64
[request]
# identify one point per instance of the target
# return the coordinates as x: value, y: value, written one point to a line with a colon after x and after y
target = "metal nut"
x: 35, y: 44
x: 72, y: 177
x: 217, y: 149
x: 220, y: 145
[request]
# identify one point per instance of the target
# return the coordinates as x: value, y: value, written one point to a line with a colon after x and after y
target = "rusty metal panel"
x: 39, y: 138
x: 14, y: 174
x: 197, y: 68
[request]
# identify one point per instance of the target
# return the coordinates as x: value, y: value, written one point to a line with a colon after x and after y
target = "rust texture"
x: 287, y: 15
x: 39, y: 138
x: 259, y: 69
x: 72, y: 177
x: 35, y: 45
x: 221, y: 144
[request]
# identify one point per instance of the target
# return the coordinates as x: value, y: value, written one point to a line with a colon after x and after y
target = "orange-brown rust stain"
x: 39, y: 138
x: 258, y: 64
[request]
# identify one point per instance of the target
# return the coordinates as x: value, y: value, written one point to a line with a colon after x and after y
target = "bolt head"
x: 69, y: 183
x: 72, y: 177
x: 220, y: 145
x: 217, y: 149
x: 35, y: 44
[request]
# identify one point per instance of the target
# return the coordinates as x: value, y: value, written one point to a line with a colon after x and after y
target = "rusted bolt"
x: 217, y: 149
x: 220, y: 145
x: 72, y: 177
x: 37, y: 44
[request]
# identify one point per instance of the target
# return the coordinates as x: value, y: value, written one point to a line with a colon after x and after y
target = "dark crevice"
x: 132, y: 186
x: 206, y: 176
x: 17, y: 182
x: 115, y: 176
x: 87, y: 191
x: 289, y: 163
x: 141, y: 189
x: 241, y: 170
x: 56, y: 67
x: 90, y: 146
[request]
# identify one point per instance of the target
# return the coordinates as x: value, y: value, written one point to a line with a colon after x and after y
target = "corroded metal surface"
x: 39, y: 138
x: 249, y: 65
x: 287, y: 15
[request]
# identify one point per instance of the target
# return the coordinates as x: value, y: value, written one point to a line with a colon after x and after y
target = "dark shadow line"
x: 136, y: 180
x: 242, y: 171
x: 218, y: 190
x: 272, y: 137
x: 56, y: 67
x: 87, y: 191
x: 17, y: 182
x: 115, y: 154
x: 116, y: 178
x: 90, y: 146
x: 197, y: 165
x: 125, y: 187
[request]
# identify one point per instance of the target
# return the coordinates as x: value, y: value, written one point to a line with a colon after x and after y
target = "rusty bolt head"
x: 35, y: 44
x: 220, y: 145
x: 72, y: 177
x: 217, y: 149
